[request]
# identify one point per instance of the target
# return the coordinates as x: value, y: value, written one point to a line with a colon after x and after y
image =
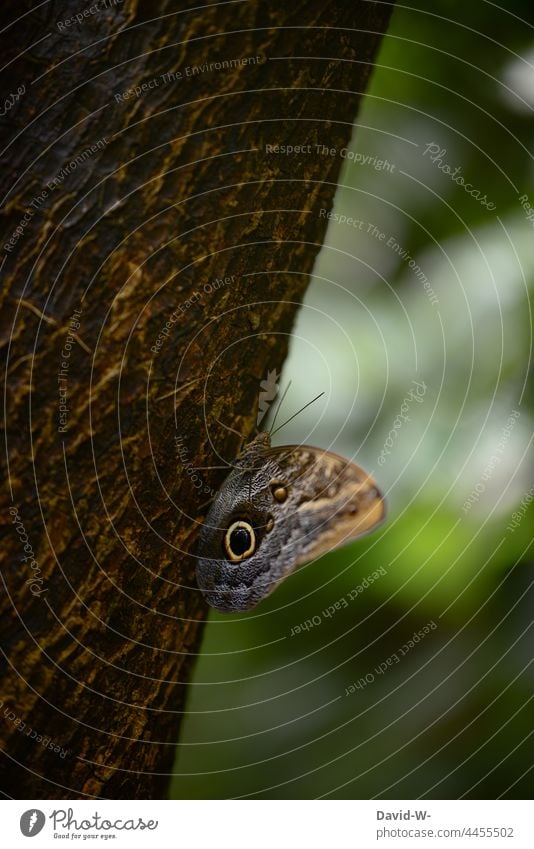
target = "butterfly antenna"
x: 297, y: 413
x: 281, y: 401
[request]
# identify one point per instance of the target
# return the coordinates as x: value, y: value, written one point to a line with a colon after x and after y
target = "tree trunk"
x: 155, y: 253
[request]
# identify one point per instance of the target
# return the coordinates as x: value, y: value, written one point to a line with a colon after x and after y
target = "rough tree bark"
x: 148, y: 288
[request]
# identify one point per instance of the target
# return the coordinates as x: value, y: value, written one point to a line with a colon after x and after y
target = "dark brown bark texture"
x: 154, y: 257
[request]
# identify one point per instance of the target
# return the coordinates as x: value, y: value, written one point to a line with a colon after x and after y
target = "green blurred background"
x: 268, y: 715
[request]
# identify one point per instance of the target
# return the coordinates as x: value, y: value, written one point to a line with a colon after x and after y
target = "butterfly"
x: 278, y: 508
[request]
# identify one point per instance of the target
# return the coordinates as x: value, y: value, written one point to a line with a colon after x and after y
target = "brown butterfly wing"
x: 332, y: 497
x: 297, y: 502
